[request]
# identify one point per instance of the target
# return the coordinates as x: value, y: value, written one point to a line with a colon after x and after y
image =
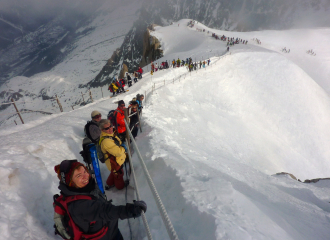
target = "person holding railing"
x: 89, y: 211
x: 134, y: 119
x: 139, y: 99
x: 114, y: 154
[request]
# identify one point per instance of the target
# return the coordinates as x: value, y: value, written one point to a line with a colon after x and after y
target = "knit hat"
x: 95, y: 113
x: 66, y: 169
x: 121, y: 102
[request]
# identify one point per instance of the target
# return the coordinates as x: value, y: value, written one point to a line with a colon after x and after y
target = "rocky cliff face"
x: 151, y: 47
x: 139, y: 48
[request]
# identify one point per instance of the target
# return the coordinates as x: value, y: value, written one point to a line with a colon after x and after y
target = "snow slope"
x: 105, y: 34
x: 213, y: 142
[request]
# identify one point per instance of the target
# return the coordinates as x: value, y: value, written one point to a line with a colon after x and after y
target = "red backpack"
x: 64, y: 224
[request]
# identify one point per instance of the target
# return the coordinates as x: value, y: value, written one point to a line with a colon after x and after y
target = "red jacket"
x: 122, y: 82
x: 140, y: 70
x: 120, y: 116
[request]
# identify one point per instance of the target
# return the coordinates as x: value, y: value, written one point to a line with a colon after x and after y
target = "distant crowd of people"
x: 285, y: 50
x: 117, y: 85
x: 310, y: 51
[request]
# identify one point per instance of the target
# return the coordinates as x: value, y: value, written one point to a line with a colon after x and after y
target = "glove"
x: 141, y: 204
x: 124, y: 146
x: 135, y: 210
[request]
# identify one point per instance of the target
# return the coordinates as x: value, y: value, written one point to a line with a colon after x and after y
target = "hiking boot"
x: 107, y: 187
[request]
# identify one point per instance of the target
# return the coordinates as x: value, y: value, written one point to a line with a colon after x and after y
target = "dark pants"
x: 116, y: 179
x: 135, y: 131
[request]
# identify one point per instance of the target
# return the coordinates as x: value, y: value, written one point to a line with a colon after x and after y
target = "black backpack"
x: 112, y: 117
x: 86, y: 130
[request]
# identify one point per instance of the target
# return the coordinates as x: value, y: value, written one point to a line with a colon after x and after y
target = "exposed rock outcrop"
x: 315, y: 180
x: 289, y: 174
x: 306, y: 181
x: 123, y: 71
x: 151, y: 47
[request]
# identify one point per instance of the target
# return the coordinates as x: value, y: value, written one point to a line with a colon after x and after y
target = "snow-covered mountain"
x: 85, y: 44
x: 213, y: 141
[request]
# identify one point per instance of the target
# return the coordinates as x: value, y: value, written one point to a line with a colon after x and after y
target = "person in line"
x: 96, y: 215
x: 136, y: 75
x: 140, y: 72
x: 92, y: 129
x: 139, y: 99
x: 178, y: 62
x: 134, y: 119
x: 152, y: 67
x: 120, y: 116
x: 114, y: 155
x: 129, y: 80
x: 114, y: 87
x: 120, y: 87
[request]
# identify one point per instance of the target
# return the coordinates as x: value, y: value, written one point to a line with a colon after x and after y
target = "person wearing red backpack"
x: 82, y: 211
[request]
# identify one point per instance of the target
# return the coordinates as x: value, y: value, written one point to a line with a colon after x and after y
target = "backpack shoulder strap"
x: 113, y: 138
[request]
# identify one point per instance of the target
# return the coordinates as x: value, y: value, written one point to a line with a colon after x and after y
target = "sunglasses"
x: 107, y: 128
x: 97, y: 116
x: 123, y: 105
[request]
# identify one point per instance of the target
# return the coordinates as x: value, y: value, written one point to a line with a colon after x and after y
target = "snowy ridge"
x: 212, y: 142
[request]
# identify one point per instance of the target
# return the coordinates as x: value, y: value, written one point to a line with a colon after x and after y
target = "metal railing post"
x: 59, y: 104
x: 83, y: 97
x: 19, y: 114
x: 90, y: 94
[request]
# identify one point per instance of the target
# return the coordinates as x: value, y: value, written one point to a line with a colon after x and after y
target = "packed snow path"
x: 212, y: 142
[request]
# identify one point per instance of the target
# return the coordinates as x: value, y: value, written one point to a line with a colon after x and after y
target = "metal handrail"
x: 168, y: 224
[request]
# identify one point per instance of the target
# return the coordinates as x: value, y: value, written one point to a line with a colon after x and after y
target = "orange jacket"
x: 120, y: 116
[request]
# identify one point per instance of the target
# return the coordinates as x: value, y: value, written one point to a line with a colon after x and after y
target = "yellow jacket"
x: 114, y: 86
x: 109, y: 147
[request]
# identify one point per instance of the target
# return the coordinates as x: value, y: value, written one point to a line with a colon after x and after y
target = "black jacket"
x: 133, y: 120
x: 83, y: 212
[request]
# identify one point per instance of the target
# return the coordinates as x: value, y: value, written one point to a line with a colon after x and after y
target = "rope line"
x: 144, y: 219
x: 167, y: 222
